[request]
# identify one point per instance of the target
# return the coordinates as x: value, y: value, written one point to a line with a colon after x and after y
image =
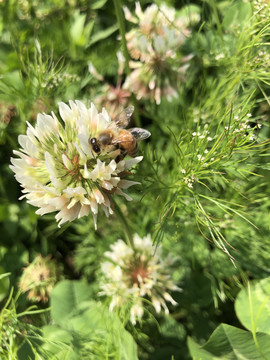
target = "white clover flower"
x: 130, y: 274
x: 58, y: 170
x: 156, y: 42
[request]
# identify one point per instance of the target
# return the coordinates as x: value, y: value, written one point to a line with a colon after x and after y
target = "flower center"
x: 140, y: 272
x: 74, y: 171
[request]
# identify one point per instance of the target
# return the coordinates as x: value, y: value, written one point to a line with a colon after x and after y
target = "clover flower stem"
x: 44, y: 245
x: 121, y: 22
x: 127, y: 230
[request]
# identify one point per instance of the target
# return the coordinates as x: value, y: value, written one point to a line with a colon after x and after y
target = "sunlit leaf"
x: 230, y: 343
x: 252, y: 306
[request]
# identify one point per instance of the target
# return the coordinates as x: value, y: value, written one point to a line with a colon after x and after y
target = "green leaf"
x: 94, y: 317
x: 82, y: 321
x: 4, y: 284
x: 97, y: 4
x: 25, y: 352
x: 238, y: 14
x: 77, y: 27
x: 171, y: 328
x: 230, y: 343
x: 252, y: 306
x: 196, y: 351
x: 80, y: 32
x: 66, y: 298
x: 101, y: 35
x: 263, y: 166
x: 57, y: 341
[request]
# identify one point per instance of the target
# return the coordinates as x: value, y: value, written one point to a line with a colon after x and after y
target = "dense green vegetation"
x: 189, y: 278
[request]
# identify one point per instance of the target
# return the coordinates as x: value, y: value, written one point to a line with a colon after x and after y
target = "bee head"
x: 95, y: 147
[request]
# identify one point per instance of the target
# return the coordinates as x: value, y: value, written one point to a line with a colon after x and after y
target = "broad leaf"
x: 83, y: 323
x: 101, y: 35
x: 97, y: 4
x: 230, y: 343
x: 58, y: 341
x: 66, y: 299
x: 252, y: 306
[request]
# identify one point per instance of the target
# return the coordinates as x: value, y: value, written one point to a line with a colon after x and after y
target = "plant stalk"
x: 121, y: 23
x: 122, y: 218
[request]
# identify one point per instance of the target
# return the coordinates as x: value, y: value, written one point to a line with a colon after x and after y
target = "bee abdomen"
x: 134, y: 151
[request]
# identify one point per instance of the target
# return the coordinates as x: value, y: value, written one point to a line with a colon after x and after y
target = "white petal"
x: 65, y: 112
x: 85, y: 146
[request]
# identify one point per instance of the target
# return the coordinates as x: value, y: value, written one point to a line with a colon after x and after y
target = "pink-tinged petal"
x: 45, y: 210
x: 125, y: 184
x: 107, y: 185
x: 127, y: 164
x: 95, y: 221
x: 120, y: 192
x: 84, y: 211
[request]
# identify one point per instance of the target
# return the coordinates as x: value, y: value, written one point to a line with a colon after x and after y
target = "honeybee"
x: 117, y: 137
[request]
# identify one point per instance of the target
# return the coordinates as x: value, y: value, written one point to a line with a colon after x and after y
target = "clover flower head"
x: 156, y: 42
x: 39, y: 278
x: 7, y: 112
x: 131, y: 274
x: 58, y: 169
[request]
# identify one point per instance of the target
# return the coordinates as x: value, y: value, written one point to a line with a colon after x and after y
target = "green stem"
x: 122, y: 218
x: 121, y: 23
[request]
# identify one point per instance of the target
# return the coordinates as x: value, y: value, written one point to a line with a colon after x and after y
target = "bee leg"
x: 120, y: 156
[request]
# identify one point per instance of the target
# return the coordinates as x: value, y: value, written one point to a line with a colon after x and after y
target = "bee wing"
x: 123, y: 118
x: 140, y: 134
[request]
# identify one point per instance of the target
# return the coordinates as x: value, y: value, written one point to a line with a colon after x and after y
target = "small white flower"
x: 58, y: 170
x: 200, y: 157
x: 134, y: 273
x: 220, y: 56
